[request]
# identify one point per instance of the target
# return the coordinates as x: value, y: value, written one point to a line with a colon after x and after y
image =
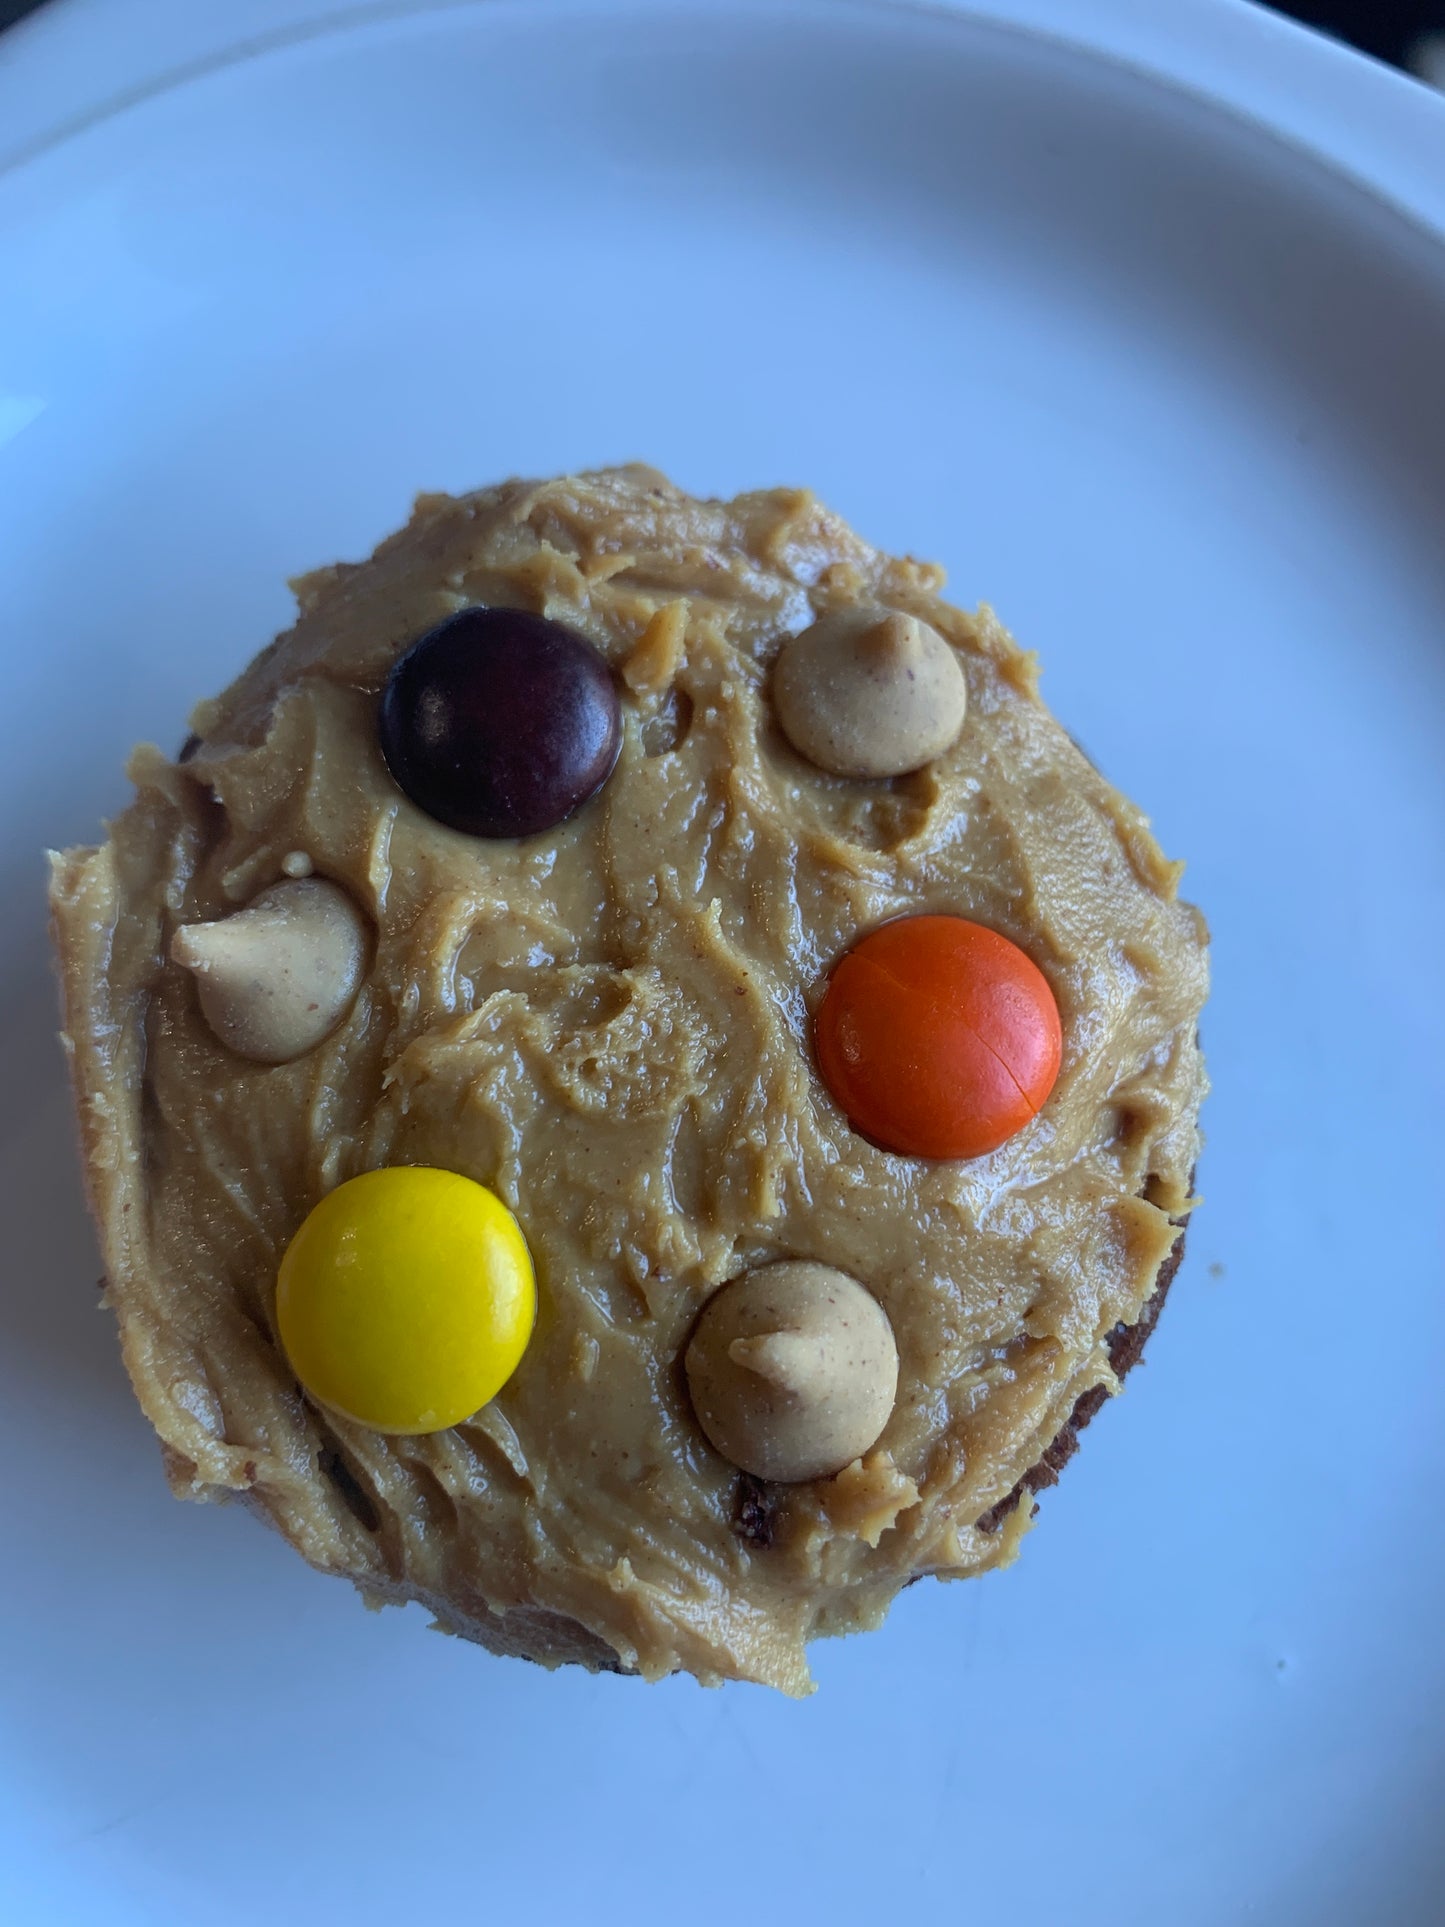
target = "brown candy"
x: 500, y: 723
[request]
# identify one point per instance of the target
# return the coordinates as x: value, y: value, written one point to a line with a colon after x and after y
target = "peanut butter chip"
x: 279, y: 976
x: 869, y: 692
x: 793, y: 1371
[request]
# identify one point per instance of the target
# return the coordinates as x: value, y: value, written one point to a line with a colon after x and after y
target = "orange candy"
x: 938, y: 1038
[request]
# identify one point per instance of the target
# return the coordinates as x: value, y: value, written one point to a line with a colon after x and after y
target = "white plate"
x: 1167, y: 389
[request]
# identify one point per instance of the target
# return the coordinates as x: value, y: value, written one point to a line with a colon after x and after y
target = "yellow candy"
x: 406, y: 1299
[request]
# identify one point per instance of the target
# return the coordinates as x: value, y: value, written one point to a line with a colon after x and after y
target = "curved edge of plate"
x: 70, y: 66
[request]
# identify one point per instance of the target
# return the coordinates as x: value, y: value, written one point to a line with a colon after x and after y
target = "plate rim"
x: 67, y: 70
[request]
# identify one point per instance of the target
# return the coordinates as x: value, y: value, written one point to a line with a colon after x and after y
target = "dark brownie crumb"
x: 352, y: 1493
x: 1126, y: 1350
x: 753, y: 1512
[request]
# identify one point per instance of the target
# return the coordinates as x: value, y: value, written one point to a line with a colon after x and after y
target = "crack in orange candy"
x: 938, y: 1038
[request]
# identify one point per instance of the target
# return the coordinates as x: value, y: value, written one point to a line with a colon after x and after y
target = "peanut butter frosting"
x: 609, y: 1025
